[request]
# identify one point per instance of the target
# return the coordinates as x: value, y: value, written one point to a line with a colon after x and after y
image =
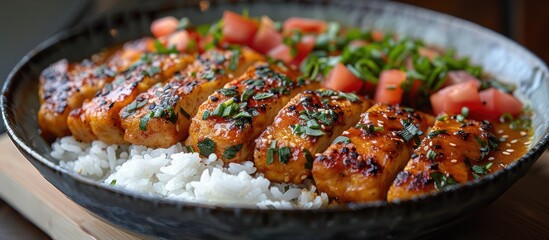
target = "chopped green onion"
x: 341, y: 139
x: 260, y: 96
x: 231, y: 151
x: 206, y: 147
x: 284, y: 154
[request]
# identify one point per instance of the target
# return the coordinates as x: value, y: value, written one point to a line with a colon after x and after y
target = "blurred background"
x: 26, y: 23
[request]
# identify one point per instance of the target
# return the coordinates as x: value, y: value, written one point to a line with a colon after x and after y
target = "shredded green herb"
x: 309, y: 159
x: 206, y: 147
x: 189, y: 149
x: 480, y: 169
x: 441, y: 180
x: 284, y: 154
x: 409, y: 131
x: 205, y: 115
x: 144, y: 120
x: 436, y: 133
x: 341, y: 139
x: 160, y: 49
x: 431, y: 155
x: 260, y: 96
x: 228, y: 91
x: 271, y: 152
x: 231, y: 151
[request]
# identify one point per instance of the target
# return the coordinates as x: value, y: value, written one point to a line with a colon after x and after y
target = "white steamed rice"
x: 175, y: 174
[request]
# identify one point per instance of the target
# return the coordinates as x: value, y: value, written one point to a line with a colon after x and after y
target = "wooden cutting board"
x: 522, y: 212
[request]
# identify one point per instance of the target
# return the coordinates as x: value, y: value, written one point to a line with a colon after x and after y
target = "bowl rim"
x: 532, y: 155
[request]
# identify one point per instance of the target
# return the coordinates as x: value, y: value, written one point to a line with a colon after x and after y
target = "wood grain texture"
x: 521, y: 213
x: 27, y: 191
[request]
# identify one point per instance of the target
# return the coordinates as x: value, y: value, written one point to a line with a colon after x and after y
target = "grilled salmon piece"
x: 64, y: 86
x: 305, y: 126
x: 233, y: 117
x: 98, y: 118
x: 161, y: 116
x: 451, y: 154
x: 361, y: 165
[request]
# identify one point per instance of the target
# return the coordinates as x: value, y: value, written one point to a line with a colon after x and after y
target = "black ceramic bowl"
x: 172, y: 219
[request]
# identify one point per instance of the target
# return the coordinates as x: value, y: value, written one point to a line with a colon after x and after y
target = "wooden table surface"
x: 521, y: 213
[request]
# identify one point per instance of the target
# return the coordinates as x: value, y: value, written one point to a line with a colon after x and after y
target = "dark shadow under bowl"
x: 154, y: 216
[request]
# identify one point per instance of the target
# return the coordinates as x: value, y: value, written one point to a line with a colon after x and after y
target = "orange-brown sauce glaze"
x: 514, y: 143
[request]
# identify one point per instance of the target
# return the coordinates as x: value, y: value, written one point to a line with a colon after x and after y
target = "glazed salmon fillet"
x: 98, y: 118
x: 161, y: 116
x: 233, y: 117
x: 361, y: 165
x: 64, y: 86
x: 450, y: 154
x: 305, y: 126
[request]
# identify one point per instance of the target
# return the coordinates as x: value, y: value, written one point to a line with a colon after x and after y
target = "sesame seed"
x: 453, y: 144
x: 500, y: 131
x: 345, y: 132
x: 318, y: 154
x: 510, y: 150
x: 303, y: 177
x: 491, y: 159
x: 523, y: 133
x: 527, y: 143
x: 505, y: 136
x: 514, y: 141
x: 508, y: 144
x: 454, y: 161
x: 506, y: 153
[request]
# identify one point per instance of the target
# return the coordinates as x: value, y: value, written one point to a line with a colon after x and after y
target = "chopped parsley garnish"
x: 242, y: 114
x: 231, y: 151
x: 132, y: 107
x: 314, y: 132
x: 431, y: 155
x: 442, y: 180
x: 160, y: 49
x: 341, y: 139
x: 284, y: 154
x: 369, y: 128
x: 480, y: 169
x: 246, y: 94
x: 205, y: 115
x: 442, y: 117
x: 309, y: 159
x: 208, y: 75
x: 260, y: 96
x: 113, y: 182
x: 465, y: 111
x: 349, y: 96
x: 189, y: 149
x: 409, y: 131
x: 151, y: 71
x: 436, y: 133
x: 144, y: 120
x: 234, y: 59
x: 271, y: 152
x: 206, y: 147
x: 228, y: 91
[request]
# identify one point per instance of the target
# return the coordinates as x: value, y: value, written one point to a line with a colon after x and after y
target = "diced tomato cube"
x: 305, y: 25
x: 267, y: 38
x: 238, y: 29
x: 164, y: 26
x: 453, y: 98
x: 340, y: 78
x: 389, y: 88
